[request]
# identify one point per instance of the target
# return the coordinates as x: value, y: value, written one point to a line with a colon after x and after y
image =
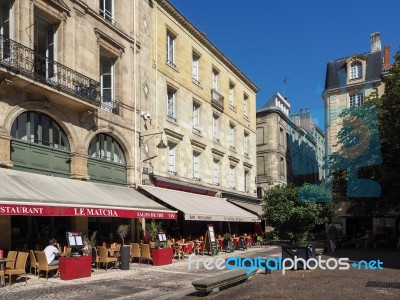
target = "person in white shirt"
x: 52, y: 251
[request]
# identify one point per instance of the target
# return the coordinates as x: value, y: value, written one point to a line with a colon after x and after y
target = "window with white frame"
x: 196, y: 118
x: 5, y: 29
x: 216, y: 172
x: 356, y: 99
x: 232, y: 177
x: 171, y: 151
x: 171, y: 49
x: 231, y: 95
x: 215, y: 79
x: 245, y: 108
x: 231, y: 136
x: 246, y: 144
x: 356, y: 70
x: 107, y: 10
x: 215, y: 128
x: 196, y: 166
x: 106, y: 79
x: 171, y: 105
x: 195, y: 68
x: 44, y: 47
x: 245, y: 181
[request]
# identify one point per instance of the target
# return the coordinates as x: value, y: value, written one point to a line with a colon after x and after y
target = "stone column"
x: 5, y: 146
x: 79, y: 169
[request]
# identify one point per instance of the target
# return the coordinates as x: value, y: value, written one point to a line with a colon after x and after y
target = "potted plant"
x: 153, y: 228
x: 122, y: 232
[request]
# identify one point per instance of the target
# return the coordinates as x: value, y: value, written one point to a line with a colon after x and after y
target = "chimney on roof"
x: 386, y: 58
x: 376, y: 42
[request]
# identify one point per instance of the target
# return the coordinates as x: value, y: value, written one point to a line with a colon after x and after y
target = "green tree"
x: 293, y: 219
x: 388, y: 107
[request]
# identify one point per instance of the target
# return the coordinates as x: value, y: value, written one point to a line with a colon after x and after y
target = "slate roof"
x: 336, y: 70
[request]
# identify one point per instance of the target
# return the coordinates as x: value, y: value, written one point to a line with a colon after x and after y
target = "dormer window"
x: 356, y: 70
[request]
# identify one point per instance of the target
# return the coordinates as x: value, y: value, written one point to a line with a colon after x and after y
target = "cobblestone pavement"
x: 141, y: 282
x: 319, y: 284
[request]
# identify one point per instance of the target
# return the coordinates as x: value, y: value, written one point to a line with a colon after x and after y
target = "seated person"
x: 87, y: 249
x: 51, y: 251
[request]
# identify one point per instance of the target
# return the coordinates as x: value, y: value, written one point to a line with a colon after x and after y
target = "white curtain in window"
x: 195, y: 67
x: 231, y: 95
x: 196, y: 115
x: 171, y: 158
x: 196, y: 165
x: 215, y: 172
x: 170, y: 48
x: 215, y: 127
x: 245, y: 106
x: 215, y: 80
x: 231, y: 136
x: 232, y: 177
x: 171, y: 104
x: 246, y: 144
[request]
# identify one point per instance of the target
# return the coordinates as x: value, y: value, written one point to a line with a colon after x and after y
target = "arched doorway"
x: 106, y: 160
x: 39, y: 145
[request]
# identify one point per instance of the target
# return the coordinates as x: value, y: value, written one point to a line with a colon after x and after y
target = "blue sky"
x: 273, y: 40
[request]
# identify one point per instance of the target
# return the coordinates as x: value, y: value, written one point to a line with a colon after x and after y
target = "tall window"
x: 245, y: 181
x: 216, y: 172
x: 232, y: 177
x: 245, y: 109
x: 171, y: 105
x: 231, y: 95
x: 107, y: 148
x: 246, y: 144
x: 44, y: 35
x: 107, y: 10
x: 232, y: 137
x: 282, y: 167
x: 281, y: 137
x: 196, y: 166
x: 171, y: 150
x: 356, y: 70
x: 356, y: 99
x: 215, y: 133
x: 106, y: 80
x: 215, y: 79
x: 196, y: 118
x: 171, y: 49
x: 38, y: 128
x: 195, y: 68
x: 5, y: 29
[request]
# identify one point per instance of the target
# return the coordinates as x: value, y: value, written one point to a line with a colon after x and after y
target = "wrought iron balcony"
x: 25, y: 61
x: 217, y: 100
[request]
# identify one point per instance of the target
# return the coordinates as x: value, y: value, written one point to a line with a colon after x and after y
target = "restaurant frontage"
x: 34, y: 208
x: 196, y: 211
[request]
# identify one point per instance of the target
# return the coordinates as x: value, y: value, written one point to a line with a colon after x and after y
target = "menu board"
x: 210, y: 241
x: 74, y: 239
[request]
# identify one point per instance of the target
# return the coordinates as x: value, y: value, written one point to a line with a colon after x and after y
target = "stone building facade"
x: 203, y: 109
x: 288, y: 146
x: 351, y: 80
x: 70, y: 96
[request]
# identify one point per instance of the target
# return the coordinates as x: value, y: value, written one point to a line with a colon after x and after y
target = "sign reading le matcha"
x: 211, y: 242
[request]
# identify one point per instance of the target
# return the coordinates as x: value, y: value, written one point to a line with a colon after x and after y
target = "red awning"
x: 77, y: 211
x: 29, y: 194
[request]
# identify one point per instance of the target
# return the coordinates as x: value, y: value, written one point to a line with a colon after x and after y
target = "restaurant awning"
x: 252, y: 207
x: 32, y: 194
x: 199, y: 207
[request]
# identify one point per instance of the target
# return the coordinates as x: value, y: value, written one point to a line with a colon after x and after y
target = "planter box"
x: 299, y: 252
x: 75, y: 267
x: 162, y: 256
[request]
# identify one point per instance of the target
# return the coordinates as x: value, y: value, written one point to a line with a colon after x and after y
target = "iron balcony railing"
x: 217, y: 100
x: 25, y: 61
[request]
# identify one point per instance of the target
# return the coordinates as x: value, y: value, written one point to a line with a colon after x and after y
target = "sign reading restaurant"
x: 35, y: 210
x: 194, y: 217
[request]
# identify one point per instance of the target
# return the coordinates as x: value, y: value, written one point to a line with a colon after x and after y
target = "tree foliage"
x: 294, y: 219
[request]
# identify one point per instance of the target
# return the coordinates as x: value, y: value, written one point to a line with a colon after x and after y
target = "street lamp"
x: 160, y: 145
